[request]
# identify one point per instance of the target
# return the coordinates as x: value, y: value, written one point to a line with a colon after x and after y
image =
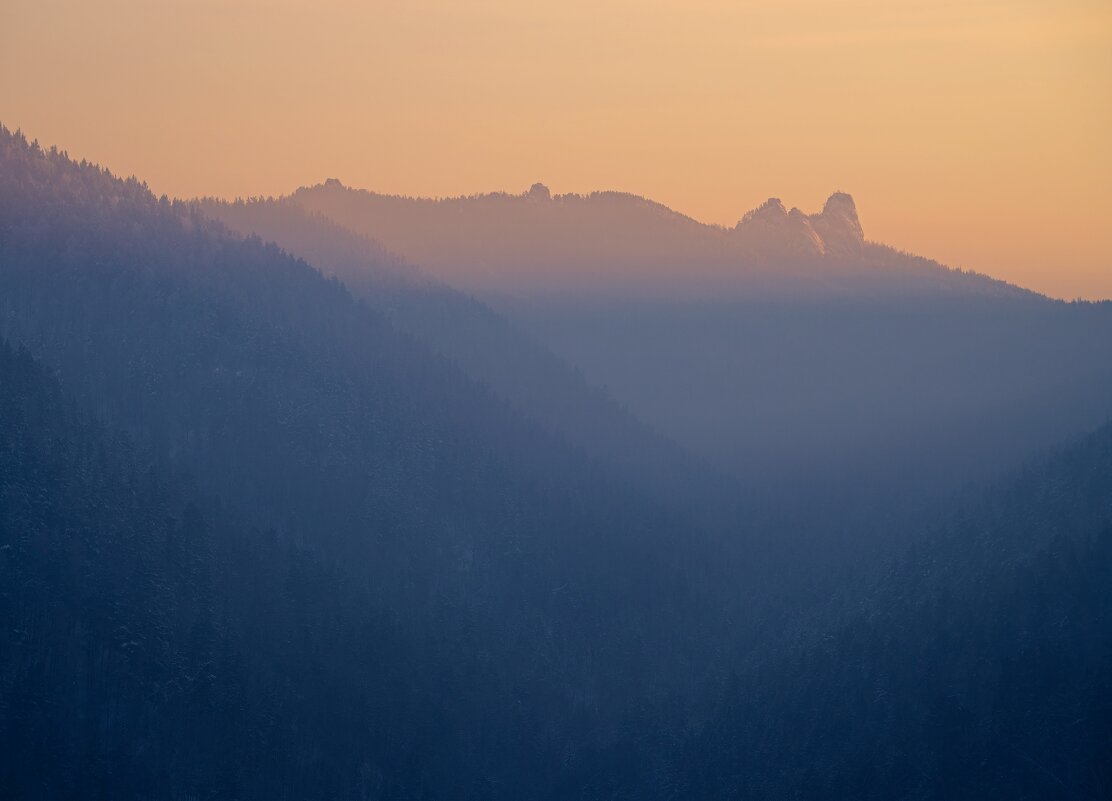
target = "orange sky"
x: 975, y: 132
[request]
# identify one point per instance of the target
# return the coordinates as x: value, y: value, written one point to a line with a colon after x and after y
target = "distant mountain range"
x: 788, y: 348
x: 612, y: 244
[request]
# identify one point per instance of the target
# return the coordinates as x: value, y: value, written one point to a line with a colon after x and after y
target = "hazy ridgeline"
x: 663, y: 511
x: 613, y: 245
x: 487, y: 346
x: 789, y: 351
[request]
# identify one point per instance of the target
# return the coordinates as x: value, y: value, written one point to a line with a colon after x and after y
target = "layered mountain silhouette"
x: 786, y: 348
x: 485, y: 345
x: 497, y: 551
x: 612, y: 244
x: 284, y: 513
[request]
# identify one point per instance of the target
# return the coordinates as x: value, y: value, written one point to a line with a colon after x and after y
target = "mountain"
x: 330, y: 529
x: 563, y: 608
x: 979, y: 665
x: 773, y: 231
x: 789, y: 350
x: 488, y: 348
x: 617, y: 246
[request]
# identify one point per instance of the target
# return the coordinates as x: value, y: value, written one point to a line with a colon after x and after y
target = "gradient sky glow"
x: 975, y: 132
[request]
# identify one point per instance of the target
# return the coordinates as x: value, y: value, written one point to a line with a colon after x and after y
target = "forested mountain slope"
x: 486, y: 346
x: 789, y: 351
x: 978, y: 666
x: 568, y: 606
x: 154, y: 647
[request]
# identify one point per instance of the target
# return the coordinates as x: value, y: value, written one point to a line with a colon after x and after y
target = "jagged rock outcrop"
x: 538, y: 191
x: 838, y: 226
x: 771, y: 230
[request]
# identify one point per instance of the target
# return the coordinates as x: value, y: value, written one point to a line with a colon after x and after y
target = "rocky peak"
x: 538, y: 191
x: 771, y: 210
x: 772, y: 230
x: 838, y: 224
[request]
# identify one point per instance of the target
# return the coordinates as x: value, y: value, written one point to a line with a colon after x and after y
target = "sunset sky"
x: 975, y: 132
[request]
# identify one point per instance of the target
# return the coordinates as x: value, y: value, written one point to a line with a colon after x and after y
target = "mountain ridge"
x: 617, y: 244
x: 481, y: 341
x: 497, y: 547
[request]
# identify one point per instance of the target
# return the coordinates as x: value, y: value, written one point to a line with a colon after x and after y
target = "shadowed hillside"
x: 155, y: 646
x: 489, y: 348
x: 788, y: 350
x: 568, y: 606
x: 977, y: 666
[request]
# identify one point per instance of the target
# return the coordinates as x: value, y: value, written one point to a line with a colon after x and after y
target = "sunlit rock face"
x: 771, y: 229
x: 534, y: 243
x: 838, y: 226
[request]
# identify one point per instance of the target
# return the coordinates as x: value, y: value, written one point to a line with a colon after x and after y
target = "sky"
x: 973, y: 132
